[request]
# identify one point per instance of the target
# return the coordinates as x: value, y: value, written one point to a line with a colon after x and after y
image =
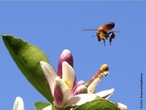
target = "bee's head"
x: 111, y: 25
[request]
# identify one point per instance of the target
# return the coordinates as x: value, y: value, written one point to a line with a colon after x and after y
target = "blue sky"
x: 55, y: 26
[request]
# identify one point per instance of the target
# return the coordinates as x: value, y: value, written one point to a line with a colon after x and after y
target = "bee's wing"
x: 89, y: 29
x: 114, y: 31
x: 85, y: 29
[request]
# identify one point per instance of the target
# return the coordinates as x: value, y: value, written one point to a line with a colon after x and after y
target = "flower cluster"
x: 66, y: 90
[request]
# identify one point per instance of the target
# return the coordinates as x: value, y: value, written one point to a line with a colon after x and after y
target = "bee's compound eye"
x: 112, y: 24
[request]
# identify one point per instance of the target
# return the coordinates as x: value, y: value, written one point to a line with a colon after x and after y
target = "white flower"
x: 61, y: 88
x: 64, y: 88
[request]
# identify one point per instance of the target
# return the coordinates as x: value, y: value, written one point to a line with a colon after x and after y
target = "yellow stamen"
x: 93, y: 90
x: 100, y: 74
x: 68, y: 83
x: 104, y: 67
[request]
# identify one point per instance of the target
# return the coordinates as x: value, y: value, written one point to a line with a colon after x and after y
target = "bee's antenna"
x: 92, y: 36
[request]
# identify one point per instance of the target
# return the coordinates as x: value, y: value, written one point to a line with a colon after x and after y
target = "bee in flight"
x: 104, y: 32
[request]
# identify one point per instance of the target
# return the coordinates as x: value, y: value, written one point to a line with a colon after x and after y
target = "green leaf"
x: 28, y: 57
x: 40, y: 105
x: 98, y: 104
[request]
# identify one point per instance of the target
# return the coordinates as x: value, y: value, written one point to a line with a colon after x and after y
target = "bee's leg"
x: 104, y: 42
x: 107, y: 36
x: 112, y: 37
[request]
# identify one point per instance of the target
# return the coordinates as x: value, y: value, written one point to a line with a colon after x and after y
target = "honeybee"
x: 104, y: 32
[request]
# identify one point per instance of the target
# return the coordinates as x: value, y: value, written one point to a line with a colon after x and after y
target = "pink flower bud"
x: 65, y: 56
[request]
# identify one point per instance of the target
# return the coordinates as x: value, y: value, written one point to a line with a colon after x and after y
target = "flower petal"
x: 76, y: 85
x: 50, y: 74
x: 68, y: 73
x: 18, y: 104
x: 81, y: 82
x: 65, y: 56
x: 81, y: 99
x: 80, y: 90
x: 106, y: 93
x: 61, y: 93
x: 48, y: 108
x: 121, y: 106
